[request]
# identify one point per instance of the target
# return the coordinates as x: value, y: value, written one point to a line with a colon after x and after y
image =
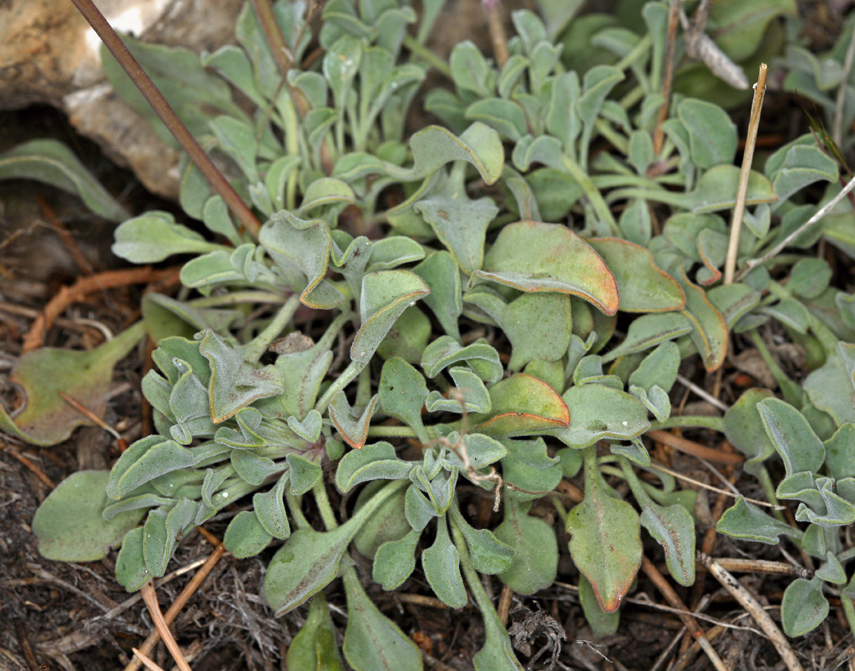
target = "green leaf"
x: 746, y: 521
x: 385, y: 296
x: 46, y: 418
x: 372, y: 642
x: 709, y: 330
x: 309, y: 428
x: 459, y: 222
x: 803, y: 607
x: 605, y: 539
x: 505, y: 116
x: 744, y: 429
x: 473, y: 397
x: 712, y: 135
x: 533, y: 256
x: 237, y: 139
x: 795, y: 441
x: 314, y: 645
x: 469, y: 69
x: 641, y: 285
x: 440, y: 273
x: 235, y: 382
x: 601, y: 412
x: 69, y: 522
x: 434, y: 146
x: 522, y: 405
x: 441, y: 563
x: 840, y: 453
x: 388, y: 523
x: 270, y: 509
x: 246, y: 536
x: 353, y: 427
x: 402, y: 395
x: 674, y: 529
x: 535, y: 561
x: 304, y: 474
x: 601, y: 622
x: 796, y: 166
x: 131, y: 570
x: 445, y: 351
x: 395, y: 561
x: 832, y: 387
x: 51, y: 162
x: 648, y: 331
x: 659, y: 368
x: 301, y: 249
x: 538, y: 326
x: 155, y: 236
x: 529, y: 467
x: 408, y: 336
x: 489, y: 554
x: 717, y: 188
x: 373, y: 462
x: 326, y: 191
x: 810, y: 277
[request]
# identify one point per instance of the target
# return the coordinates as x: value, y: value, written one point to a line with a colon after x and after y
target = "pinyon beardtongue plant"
x: 510, y: 351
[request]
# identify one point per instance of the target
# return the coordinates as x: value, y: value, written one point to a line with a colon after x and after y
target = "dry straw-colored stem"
x: 753, y: 607
x: 747, y: 159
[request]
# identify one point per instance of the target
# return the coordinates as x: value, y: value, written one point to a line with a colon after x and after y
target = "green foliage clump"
x: 491, y: 289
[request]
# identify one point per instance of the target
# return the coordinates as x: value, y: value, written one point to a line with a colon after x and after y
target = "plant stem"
x: 848, y: 611
x: 427, y: 55
x: 701, y: 421
x: 254, y: 349
x: 744, y: 174
x: 296, y: 512
x: 347, y: 376
x: 592, y: 192
x: 158, y: 103
x: 323, y: 501
x: 238, y: 297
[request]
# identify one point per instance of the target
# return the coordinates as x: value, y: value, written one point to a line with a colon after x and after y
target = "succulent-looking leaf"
x: 441, y: 563
x: 372, y: 462
x: 538, y: 326
x: 301, y: 251
x: 51, y: 162
x: 790, y: 433
x: 388, y: 523
x: 522, y: 405
x: 246, y: 536
x: 385, y: 296
x: 535, y: 560
x: 744, y: 429
x: 372, y: 642
x: 352, y: 427
x: 69, y: 522
x: 648, y: 331
x: 602, y: 623
x: 309, y: 428
x: 832, y: 387
x: 605, y: 539
x: 308, y: 561
x: 601, y: 412
x: 446, y: 351
x: 440, y: 273
x: 235, y: 383
x: 489, y: 554
x: 803, y: 607
x: 395, y: 561
x: 746, y: 521
x: 642, y: 286
x: 403, y: 393
x: 472, y: 394
x: 314, y: 645
x: 533, y: 256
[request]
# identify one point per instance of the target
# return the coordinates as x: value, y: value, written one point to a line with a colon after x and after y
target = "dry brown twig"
x: 755, y: 609
x: 149, y: 595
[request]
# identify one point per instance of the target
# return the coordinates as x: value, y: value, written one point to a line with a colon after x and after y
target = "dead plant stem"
x: 745, y: 173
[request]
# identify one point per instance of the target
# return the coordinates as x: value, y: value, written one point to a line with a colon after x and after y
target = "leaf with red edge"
x: 522, y: 405
x: 533, y: 256
x: 642, y: 285
x: 606, y: 538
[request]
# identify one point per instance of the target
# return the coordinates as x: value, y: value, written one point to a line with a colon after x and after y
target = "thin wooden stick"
x: 38, y: 472
x: 761, y: 566
x: 493, y: 10
x: 685, y: 615
x: 146, y: 661
x: 711, y: 488
x: 668, y: 75
x: 825, y: 209
x: 747, y: 158
x: 182, y: 599
x: 695, y: 449
x: 158, y: 103
x: 149, y: 595
x: 505, y: 604
x: 755, y: 610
